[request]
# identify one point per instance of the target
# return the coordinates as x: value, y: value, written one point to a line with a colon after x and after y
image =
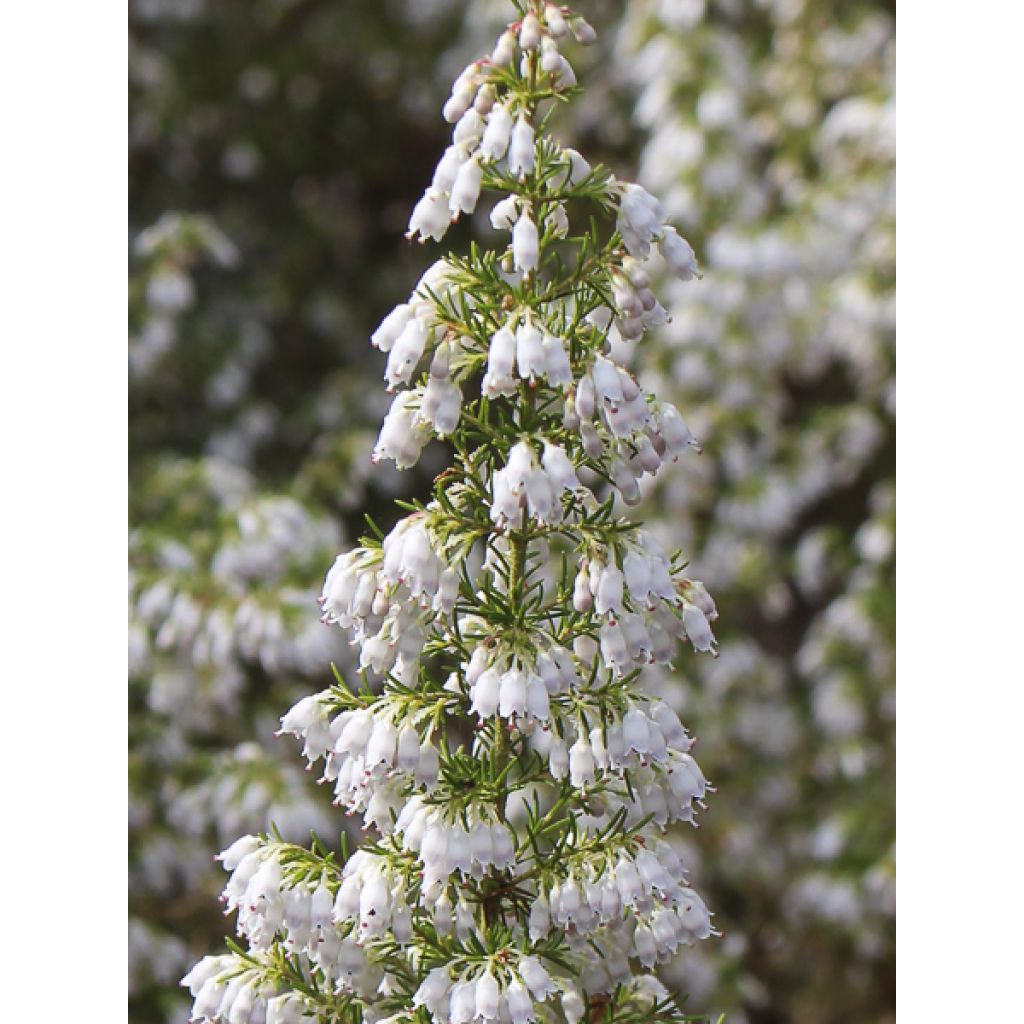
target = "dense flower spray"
x: 514, y: 779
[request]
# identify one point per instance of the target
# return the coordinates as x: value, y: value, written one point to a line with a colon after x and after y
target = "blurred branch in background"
x: 268, y: 217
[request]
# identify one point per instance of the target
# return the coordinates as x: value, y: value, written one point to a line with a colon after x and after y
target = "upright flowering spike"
x: 502, y: 628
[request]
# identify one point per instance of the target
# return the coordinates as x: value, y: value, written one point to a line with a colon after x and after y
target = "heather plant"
x: 514, y: 779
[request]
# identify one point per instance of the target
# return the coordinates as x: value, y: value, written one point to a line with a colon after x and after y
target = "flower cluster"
x: 471, y: 847
x: 243, y: 997
x: 362, y: 752
x: 485, y: 997
x: 498, y: 133
x: 388, y: 594
x: 514, y: 779
x: 636, y: 902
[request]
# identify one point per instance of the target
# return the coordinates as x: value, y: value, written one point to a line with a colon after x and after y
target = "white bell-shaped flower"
x: 559, y: 468
x: 486, y: 693
x: 529, y: 32
x: 391, y: 327
x: 557, y: 368
x: 431, y: 216
x: 525, y: 243
x: 498, y: 380
x: 608, y: 591
x: 678, y: 254
x: 529, y: 351
x: 505, y: 213
x: 512, y: 693
x: 488, y: 995
x: 466, y: 190
x: 536, y: 978
x: 582, y: 766
x: 558, y: 758
x: 698, y: 630
x: 520, y: 1003
x: 497, y: 134
x: 521, y: 155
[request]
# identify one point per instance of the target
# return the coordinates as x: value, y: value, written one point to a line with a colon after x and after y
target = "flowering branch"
x: 517, y: 778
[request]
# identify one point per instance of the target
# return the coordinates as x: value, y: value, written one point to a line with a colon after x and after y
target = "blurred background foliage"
x: 276, y: 148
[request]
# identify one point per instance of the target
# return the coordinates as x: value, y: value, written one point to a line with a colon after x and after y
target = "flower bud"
x: 582, y: 596
x: 484, y: 102
x: 558, y: 758
x: 457, y: 104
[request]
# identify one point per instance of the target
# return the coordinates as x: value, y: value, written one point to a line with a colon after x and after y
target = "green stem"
x: 519, y: 540
x: 501, y: 752
x: 502, y: 746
